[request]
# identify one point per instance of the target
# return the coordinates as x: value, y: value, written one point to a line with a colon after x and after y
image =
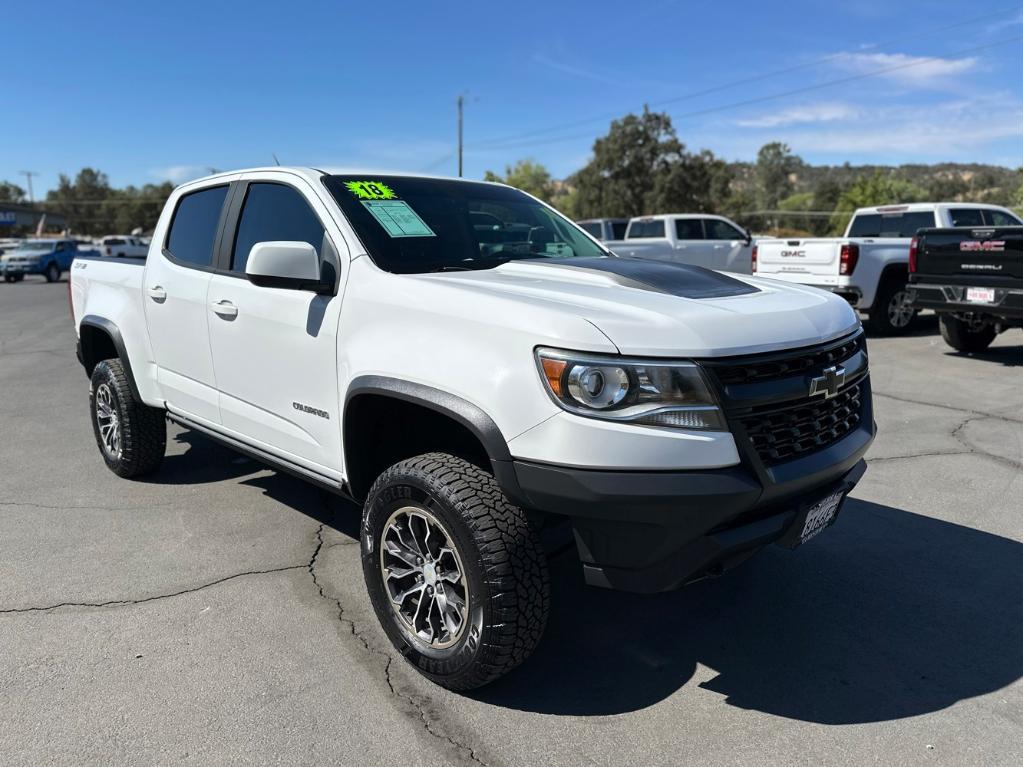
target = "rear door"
x: 692, y: 245
x: 274, y: 349
x: 174, y: 294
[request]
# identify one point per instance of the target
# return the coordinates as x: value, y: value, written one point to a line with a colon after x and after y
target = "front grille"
x: 769, y: 367
x: 781, y: 433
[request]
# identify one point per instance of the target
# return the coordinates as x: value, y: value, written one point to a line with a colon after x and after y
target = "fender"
x: 108, y: 327
x: 470, y: 416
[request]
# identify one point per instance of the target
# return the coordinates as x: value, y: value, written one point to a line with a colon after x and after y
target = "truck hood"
x: 667, y: 309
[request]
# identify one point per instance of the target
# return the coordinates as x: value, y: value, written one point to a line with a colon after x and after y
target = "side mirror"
x: 284, y: 264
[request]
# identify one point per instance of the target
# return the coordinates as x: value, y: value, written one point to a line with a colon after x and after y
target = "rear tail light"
x: 753, y: 256
x: 848, y: 257
x: 912, y: 255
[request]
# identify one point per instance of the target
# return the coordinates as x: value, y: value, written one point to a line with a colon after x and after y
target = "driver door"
x: 275, y: 349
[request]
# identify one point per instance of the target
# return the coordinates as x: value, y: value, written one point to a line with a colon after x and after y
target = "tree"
x: 11, y: 192
x: 642, y: 167
x: 527, y: 175
x: 774, y: 170
x: 868, y: 191
x: 92, y: 206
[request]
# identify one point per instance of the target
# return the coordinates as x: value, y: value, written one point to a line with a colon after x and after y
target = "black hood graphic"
x: 682, y: 280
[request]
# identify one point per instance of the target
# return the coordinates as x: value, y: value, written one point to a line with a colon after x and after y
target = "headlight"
x: 647, y: 392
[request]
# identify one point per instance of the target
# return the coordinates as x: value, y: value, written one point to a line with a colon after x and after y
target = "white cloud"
x: 920, y: 71
x: 179, y: 174
x: 799, y: 115
x: 951, y: 130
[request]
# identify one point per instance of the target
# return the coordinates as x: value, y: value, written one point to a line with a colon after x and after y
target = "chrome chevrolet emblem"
x: 829, y: 383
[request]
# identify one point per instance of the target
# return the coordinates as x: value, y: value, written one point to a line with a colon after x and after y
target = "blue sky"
x: 165, y: 91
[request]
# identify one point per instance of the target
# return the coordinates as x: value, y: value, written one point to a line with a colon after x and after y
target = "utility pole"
x: 461, y: 102
x: 28, y: 176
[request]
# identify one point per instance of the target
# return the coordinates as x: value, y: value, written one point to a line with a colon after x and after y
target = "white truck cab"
x: 699, y: 239
x: 869, y: 264
x: 476, y: 371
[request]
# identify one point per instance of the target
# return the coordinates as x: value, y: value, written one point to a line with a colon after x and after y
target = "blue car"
x: 49, y: 258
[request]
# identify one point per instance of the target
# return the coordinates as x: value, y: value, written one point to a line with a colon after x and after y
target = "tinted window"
x: 113, y: 241
x: 966, y: 217
x: 689, y: 229
x: 867, y: 225
x: 618, y: 229
x: 194, y: 227
x: 592, y: 227
x: 641, y: 229
x: 890, y: 225
x: 274, y: 212
x: 998, y: 218
x: 722, y: 230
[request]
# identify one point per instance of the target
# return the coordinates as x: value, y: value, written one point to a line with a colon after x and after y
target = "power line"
x: 488, y: 143
x: 774, y: 96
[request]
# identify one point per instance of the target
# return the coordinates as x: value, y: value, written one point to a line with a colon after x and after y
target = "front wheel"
x: 52, y: 273
x: 455, y: 572
x: 14, y: 277
x: 131, y: 436
x: 964, y: 338
x: 892, y: 313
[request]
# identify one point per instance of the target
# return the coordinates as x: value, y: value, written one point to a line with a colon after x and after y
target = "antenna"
x: 276, y: 161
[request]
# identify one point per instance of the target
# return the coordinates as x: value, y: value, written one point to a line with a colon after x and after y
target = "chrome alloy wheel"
x: 424, y: 577
x: 900, y: 309
x: 109, y: 422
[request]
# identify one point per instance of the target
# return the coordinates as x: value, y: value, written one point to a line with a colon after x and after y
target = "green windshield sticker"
x: 371, y: 190
x: 398, y: 219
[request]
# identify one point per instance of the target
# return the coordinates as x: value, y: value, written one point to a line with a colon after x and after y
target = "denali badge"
x: 829, y: 383
x: 983, y: 267
x: 312, y: 410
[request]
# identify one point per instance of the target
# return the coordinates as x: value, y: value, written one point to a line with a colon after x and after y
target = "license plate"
x: 820, y: 515
x: 980, y: 295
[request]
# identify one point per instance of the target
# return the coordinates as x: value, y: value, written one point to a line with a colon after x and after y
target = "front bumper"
x: 649, y: 531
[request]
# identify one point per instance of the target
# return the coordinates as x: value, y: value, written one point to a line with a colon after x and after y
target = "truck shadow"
x: 888, y: 615
x: 1007, y: 356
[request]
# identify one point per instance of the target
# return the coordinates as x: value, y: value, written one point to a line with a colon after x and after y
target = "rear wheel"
x: 455, y: 572
x: 52, y: 272
x: 963, y: 337
x: 892, y: 313
x: 131, y: 436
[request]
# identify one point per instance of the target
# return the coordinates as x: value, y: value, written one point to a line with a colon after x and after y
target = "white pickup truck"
x: 478, y: 373
x: 869, y: 266
x: 699, y: 239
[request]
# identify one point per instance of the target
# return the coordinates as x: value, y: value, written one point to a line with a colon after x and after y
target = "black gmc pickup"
x: 973, y: 279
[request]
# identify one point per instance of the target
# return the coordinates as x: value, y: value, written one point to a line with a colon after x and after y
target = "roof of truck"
x: 918, y: 206
x: 312, y: 173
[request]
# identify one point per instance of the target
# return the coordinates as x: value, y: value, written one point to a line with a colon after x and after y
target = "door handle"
x: 158, y: 294
x: 224, y: 308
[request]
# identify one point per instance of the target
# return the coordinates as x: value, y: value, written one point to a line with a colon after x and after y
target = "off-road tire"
x: 962, y: 338
x: 143, y: 429
x: 52, y: 273
x: 879, y: 319
x: 506, y: 569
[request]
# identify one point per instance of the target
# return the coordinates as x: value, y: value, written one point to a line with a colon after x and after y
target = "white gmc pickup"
x: 479, y: 373
x: 869, y: 266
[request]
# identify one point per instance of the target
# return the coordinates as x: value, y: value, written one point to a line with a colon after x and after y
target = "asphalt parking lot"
x: 216, y: 613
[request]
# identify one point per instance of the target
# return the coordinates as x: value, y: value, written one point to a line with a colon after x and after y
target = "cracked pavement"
x: 216, y: 613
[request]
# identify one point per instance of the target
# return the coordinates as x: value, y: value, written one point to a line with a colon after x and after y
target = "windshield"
x: 414, y: 225
x: 26, y: 246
